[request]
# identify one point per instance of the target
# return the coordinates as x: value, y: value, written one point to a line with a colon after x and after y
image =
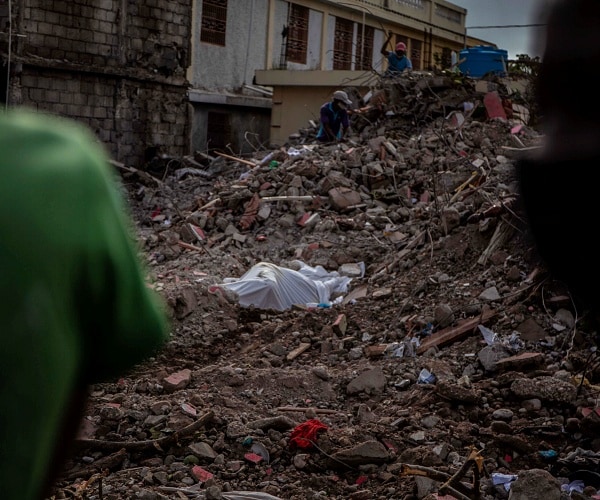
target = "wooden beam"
x: 454, y: 333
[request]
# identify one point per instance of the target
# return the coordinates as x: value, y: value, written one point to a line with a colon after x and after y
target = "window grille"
x: 446, y: 58
x: 214, y: 22
x: 416, y: 54
x: 297, y: 42
x: 416, y: 4
x: 342, y: 45
x: 364, y: 44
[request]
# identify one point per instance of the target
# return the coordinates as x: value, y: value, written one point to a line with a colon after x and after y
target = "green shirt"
x: 74, y: 307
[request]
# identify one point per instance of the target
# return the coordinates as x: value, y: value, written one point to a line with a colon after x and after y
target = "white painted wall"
x: 379, y: 63
x: 230, y: 67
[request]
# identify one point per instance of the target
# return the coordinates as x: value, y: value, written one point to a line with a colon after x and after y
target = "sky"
x: 516, y: 40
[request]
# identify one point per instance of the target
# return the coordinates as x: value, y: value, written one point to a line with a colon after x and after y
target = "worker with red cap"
x: 398, y: 62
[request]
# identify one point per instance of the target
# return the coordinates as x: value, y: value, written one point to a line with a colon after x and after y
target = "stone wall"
x: 115, y: 65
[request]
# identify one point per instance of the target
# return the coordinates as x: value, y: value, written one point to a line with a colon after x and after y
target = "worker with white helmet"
x: 334, y: 121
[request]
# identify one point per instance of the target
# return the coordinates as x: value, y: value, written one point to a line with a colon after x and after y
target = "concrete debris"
x: 419, y: 206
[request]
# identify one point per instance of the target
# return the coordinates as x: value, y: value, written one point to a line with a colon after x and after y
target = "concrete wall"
x: 221, y: 76
x: 230, y: 67
x: 287, y: 120
x: 298, y: 96
x: 249, y: 129
x: 115, y: 65
x: 129, y: 117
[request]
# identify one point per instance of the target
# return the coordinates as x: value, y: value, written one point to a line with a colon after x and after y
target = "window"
x: 416, y: 53
x: 297, y: 41
x: 364, y: 47
x: 214, y: 22
x: 342, y: 44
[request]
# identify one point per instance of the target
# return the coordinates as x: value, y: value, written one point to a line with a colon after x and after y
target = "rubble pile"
x: 453, y: 366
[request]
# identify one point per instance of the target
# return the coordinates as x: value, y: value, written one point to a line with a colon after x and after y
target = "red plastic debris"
x: 305, y: 434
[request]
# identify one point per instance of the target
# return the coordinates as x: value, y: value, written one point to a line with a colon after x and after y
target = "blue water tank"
x: 481, y: 60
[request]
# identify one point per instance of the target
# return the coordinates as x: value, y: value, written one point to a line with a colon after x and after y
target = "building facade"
x: 171, y: 78
x: 229, y: 41
x: 301, y: 51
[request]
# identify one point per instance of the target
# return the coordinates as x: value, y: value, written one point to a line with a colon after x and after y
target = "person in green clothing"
x: 74, y: 305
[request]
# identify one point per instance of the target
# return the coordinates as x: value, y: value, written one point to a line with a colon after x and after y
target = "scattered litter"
x: 503, y: 479
x: 305, y: 434
x: 259, y: 449
x: 489, y: 336
x: 426, y: 377
x: 406, y: 348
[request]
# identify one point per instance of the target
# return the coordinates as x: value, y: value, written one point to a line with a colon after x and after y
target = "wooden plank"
x: 239, y: 160
x: 299, y: 350
x: 454, y: 333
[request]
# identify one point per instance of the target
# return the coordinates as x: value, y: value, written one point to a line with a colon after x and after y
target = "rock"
x: 203, y: 450
x: 535, y: 483
x: 371, y: 381
x: 490, y: 294
x: 544, y: 388
x: 369, y: 452
x: 178, y: 380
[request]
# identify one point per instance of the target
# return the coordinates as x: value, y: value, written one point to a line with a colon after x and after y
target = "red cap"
x: 401, y: 46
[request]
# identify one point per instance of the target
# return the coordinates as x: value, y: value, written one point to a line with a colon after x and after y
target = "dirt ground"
x: 398, y: 387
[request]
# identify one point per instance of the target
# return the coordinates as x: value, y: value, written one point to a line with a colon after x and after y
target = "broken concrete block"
x: 493, y: 105
x: 341, y: 198
x: 340, y: 325
x: 179, y: 380
x: 484, y: 86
